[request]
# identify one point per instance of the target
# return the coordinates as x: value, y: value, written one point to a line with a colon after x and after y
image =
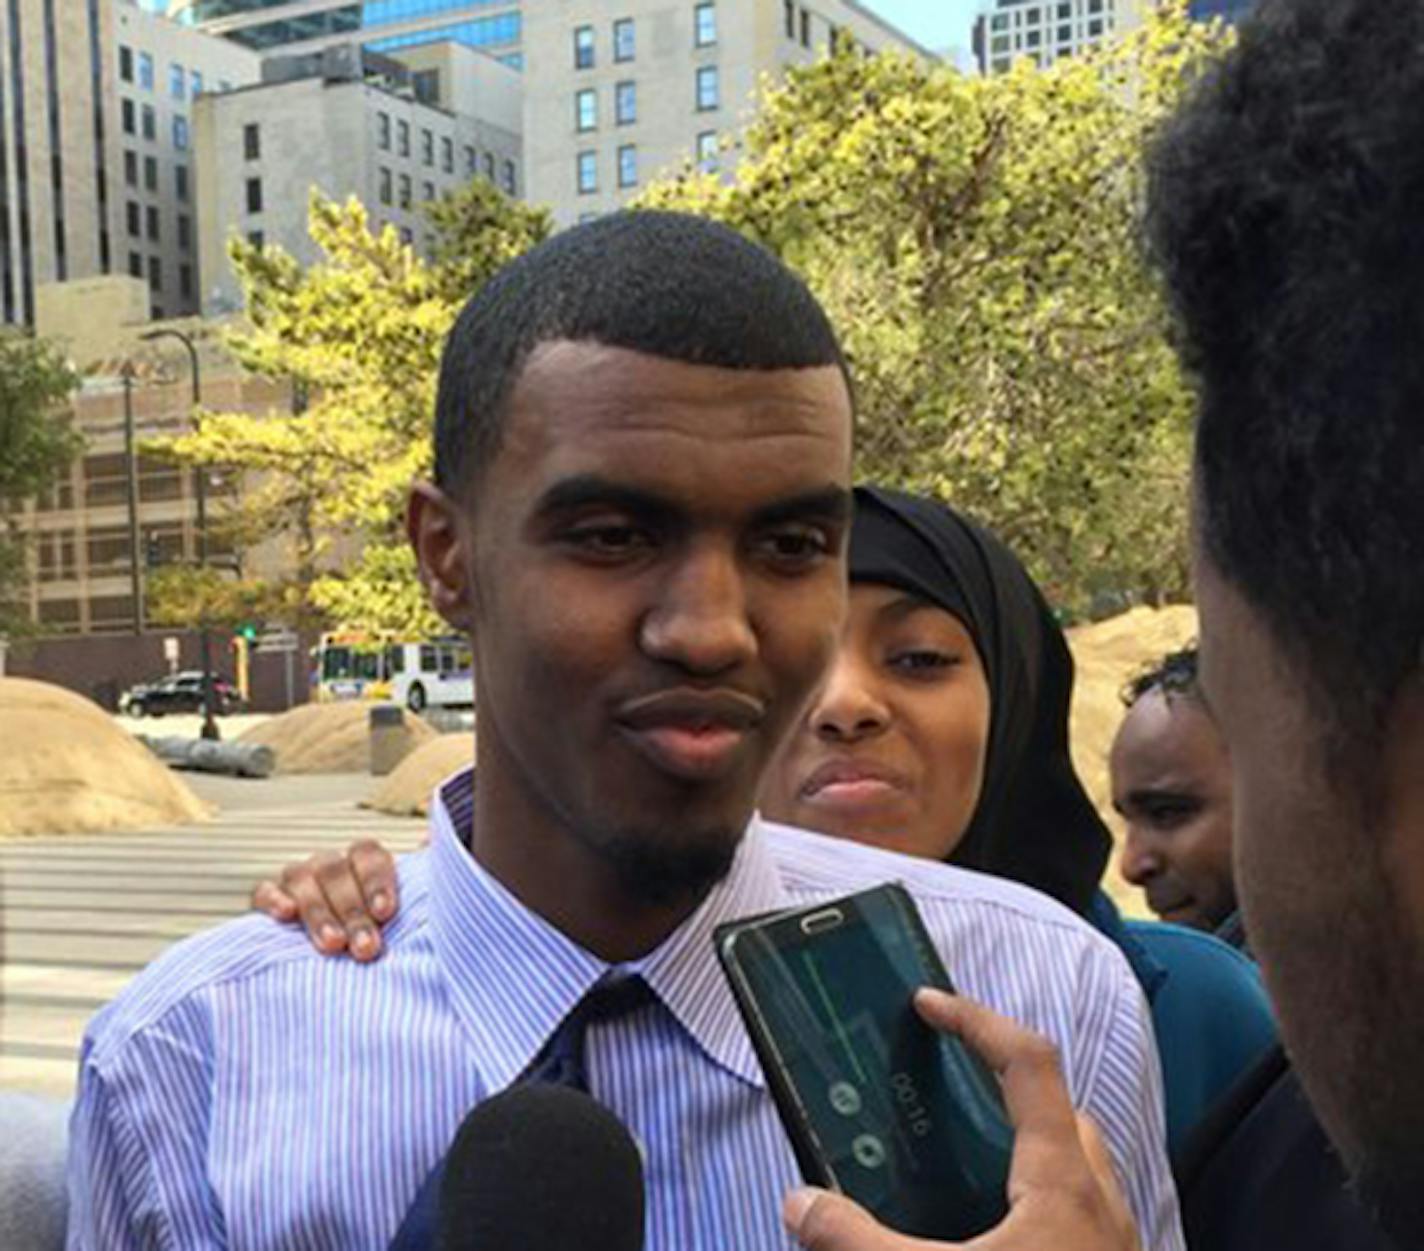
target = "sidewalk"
x: 80, y: 915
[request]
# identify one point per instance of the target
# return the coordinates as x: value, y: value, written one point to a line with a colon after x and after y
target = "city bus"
x: 417, y: 674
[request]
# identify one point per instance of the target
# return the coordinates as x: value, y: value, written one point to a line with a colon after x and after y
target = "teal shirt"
x: 1210, y: 1012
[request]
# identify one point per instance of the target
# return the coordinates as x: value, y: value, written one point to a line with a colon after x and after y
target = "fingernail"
x: 381, y: 902
x: 364, y: 943
x: 796, y: 1204
x: 330, y: 936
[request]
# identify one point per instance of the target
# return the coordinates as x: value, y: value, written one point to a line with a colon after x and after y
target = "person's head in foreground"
x: 1171, y: 781
x: 1286, y: 216
x: 941, y: 728
x: 640, y: 521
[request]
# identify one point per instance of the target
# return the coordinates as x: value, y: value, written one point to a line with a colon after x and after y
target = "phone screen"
x: 904, y: 1120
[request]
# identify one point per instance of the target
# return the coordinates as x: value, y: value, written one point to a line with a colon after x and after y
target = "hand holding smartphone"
x: 906, y: 1121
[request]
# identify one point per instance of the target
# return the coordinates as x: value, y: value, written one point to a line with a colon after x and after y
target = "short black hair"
x: 1174, y: 674
x: 1285, y: 207
x: 665, y: 284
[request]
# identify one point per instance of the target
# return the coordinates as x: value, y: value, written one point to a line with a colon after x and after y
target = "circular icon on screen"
x: 845, y: 1098
x: 869, y: 1151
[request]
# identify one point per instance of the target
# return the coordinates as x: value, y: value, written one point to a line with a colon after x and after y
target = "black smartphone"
x: 906, y: 1121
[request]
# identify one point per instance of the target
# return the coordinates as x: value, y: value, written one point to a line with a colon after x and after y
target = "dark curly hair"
x: 1287, y: 216
x: 1174, y: 674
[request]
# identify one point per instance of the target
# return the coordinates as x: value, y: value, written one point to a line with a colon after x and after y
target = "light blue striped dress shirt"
x: 246, y: 1092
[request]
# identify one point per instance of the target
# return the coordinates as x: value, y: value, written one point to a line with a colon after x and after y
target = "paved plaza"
x: 81, y: 914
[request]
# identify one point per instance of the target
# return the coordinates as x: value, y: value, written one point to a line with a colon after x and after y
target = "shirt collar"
x: 513, y: 977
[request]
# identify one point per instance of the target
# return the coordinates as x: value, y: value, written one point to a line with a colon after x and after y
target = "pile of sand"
x: 406, y: 792
x: 67, y: 768
x: 326, y: 738
x: 1108, y: 655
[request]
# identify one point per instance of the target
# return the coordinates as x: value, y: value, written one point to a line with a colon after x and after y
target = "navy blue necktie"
x: 560, y: 1063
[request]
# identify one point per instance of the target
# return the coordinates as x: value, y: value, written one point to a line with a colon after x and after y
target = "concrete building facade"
x: 348, y: 122
x: 623, y: 90
x: 1044, y: 30
x: 94, y: 116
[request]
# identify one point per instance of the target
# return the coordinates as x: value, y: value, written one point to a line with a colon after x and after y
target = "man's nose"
x: 700, y: 622
x: 1140, y: 862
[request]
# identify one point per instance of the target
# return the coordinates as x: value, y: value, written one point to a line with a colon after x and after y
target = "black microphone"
x: 541, y: 1166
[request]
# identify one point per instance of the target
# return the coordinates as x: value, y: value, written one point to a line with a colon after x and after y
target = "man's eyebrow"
x: 587, y: 490
x: 828, y: 503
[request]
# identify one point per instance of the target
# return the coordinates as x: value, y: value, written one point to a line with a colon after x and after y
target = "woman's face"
x: 892, y: 749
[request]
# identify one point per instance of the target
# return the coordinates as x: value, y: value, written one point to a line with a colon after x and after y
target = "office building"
x: 1044, y: 30
x: 1230, y: 10
x: 629, y: 89
x: 346, y: 121
x: 95, y: 146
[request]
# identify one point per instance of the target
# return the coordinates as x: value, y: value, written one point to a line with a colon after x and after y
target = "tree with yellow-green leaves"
x: 974, y: 242
x: 359, y: 335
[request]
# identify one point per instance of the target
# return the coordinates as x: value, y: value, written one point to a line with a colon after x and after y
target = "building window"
x: 1065, y: 10
x: 133, y: 219
x: 805, y: 28
x: 251, y: 142
x: 1031, y: 39
x: 145, y: 71
x: 447, y: 155
x: 254, y: 237
x: 125, y: 64
x: 427, y: 148
x: 704, y: 25
x: 150, y: 173
x: 623, y: 39
x: 707, y: 150
x: 384, y: 185
x: 405, y: 236
x: 489, y: 166
x: 586, y: 110
x: 185, y: 231
x: 1095, y: 28
x: 426, y: 84
x: 195, y: 83
x: 126, y: 114
x: 254, y: 195
x: 185, y: 281
x: 383, y: 131
x: 583, y: 47
x: 150, y: 122
x: 509, y: 182
x: 427, y: 191
x: 1065, y: 34
x: 628, y: 165
x: 471, y: 161
x: 151, y: 215
x: 135, y: 265
x: 131, y: 169
x: 788, y: 9
x: 625, y: 103
x: 176, y: 80
x: 587, y: 173
x: 403, y: 138
x: 155, y: 273
x: 405, y: 191
x: 180, y: 133
x: 708, y: 89
x: 180, y: 181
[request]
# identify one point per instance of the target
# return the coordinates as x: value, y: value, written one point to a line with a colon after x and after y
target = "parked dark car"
x: 180, y: 692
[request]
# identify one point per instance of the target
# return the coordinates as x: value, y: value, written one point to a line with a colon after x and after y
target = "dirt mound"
x: 406, y: 792
x: 326, y: 738
x: 68, y: 769
x: 1108, y: 655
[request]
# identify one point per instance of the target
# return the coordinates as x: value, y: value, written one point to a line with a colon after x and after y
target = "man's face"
x: 1171, y: 781
x: 657, y: 581
x: 1331, y: 896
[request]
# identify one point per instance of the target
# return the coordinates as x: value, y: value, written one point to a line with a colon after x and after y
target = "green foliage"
x: 360, y: 335
x: 973, y: 240
x: 37, y: 445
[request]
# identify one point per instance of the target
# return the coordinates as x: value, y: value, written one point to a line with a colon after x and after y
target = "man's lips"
x: 1165, y: 903
x: 697, y: 736
x: 852, y: 783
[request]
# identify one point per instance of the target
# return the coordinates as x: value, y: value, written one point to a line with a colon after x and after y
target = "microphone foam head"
x: 542, y: 1166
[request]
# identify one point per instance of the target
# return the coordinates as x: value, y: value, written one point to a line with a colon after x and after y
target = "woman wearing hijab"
x: 941, y: 731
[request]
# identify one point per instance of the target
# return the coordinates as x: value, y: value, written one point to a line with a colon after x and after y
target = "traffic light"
x: 152, y: 557
x: 248, y: 631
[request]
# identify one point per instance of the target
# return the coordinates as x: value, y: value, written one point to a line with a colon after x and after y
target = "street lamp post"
x: 210, y: 725
x: 131, y: 474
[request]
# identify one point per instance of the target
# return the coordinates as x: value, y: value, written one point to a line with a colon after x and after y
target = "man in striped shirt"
x: 643, y: 439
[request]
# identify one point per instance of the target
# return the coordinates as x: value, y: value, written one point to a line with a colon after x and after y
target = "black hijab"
x: 1034, y: 823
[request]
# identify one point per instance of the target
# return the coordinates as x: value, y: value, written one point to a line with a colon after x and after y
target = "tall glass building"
x: 265, y: 24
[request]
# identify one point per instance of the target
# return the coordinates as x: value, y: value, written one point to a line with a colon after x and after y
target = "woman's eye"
x: 922, y: 660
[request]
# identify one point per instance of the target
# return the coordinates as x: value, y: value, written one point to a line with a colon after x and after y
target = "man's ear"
x: 438, y: 534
